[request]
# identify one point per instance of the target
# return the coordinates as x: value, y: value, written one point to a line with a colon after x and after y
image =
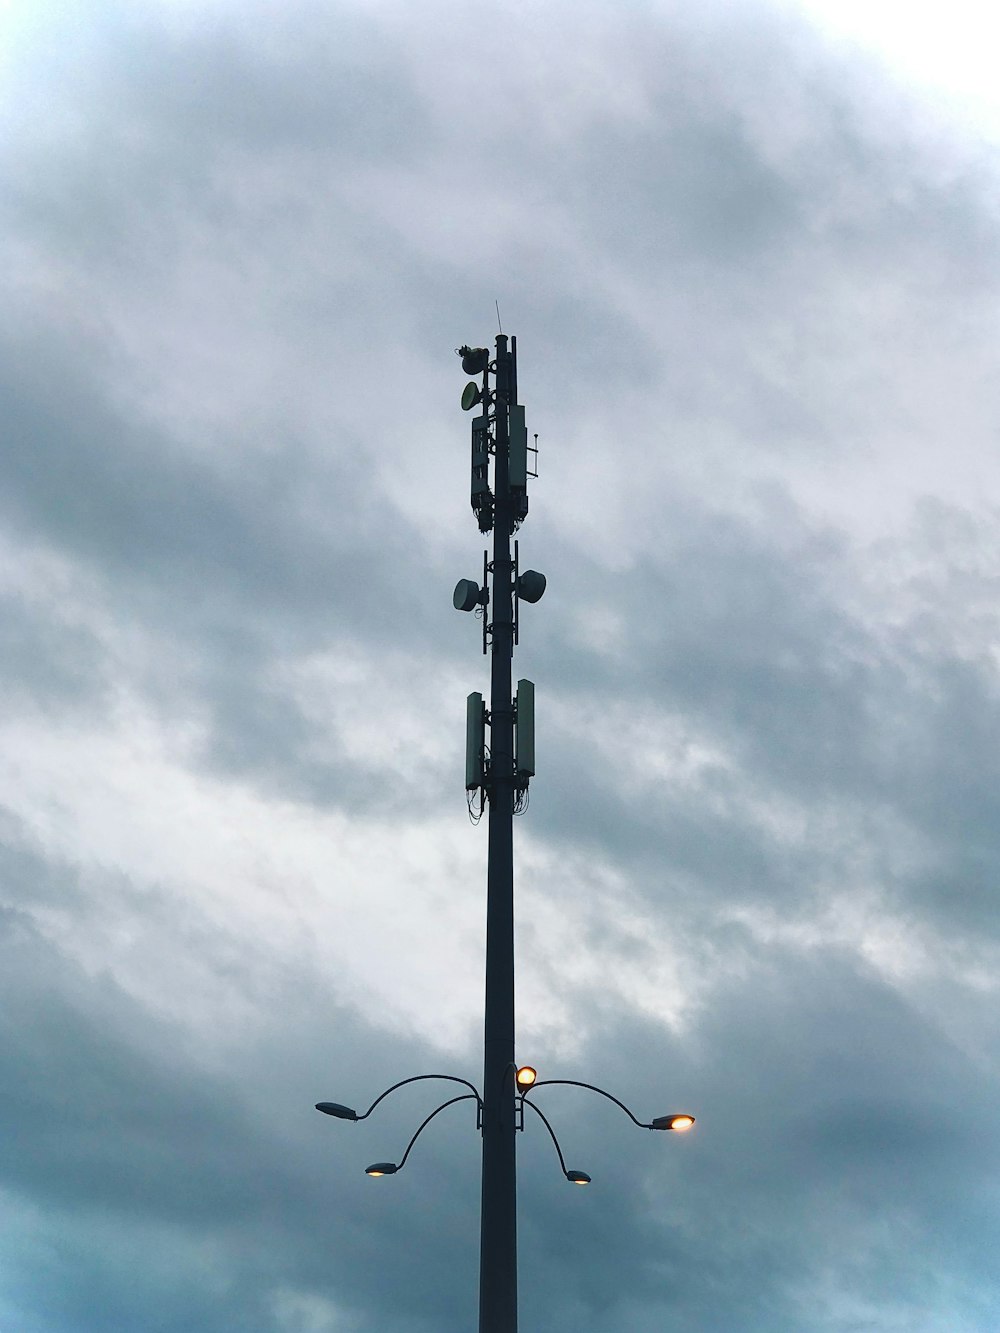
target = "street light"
x: 678, y: 1122
x: 389, y: 1168
x: 341, y: 1112
x: 575, y: 1177
x: 335, y: 1109
x: 525, y: 1077
x: 381, y: 1169
x: 526, y: 1080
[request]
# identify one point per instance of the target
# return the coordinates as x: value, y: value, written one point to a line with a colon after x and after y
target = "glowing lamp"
x: 678, y: 1123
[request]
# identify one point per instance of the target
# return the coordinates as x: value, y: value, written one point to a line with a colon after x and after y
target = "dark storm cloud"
x: 166, y: 107
x: 810, y: 1135
x: 113, y: 492
x: 41, y: 658
x: 236, y: 572
x: 833, y: 1122
x: 227, y: 570
x: 128, y: 1136
x: 873, y: 732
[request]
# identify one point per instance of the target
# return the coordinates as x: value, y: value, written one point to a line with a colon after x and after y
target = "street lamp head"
x: 335, y: 1109
x: 578, y: 1177
x: 381, y: 1169
x: 525, y: 1077
x: 678, y: 1123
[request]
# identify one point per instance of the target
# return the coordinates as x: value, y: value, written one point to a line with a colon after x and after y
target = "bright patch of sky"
x: 947, y: 51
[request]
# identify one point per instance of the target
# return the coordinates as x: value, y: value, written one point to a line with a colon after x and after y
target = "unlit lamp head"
x: 335, y: 1109
x: 471, y: 395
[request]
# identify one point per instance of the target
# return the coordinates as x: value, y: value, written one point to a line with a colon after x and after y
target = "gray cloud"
x: 754, y: 290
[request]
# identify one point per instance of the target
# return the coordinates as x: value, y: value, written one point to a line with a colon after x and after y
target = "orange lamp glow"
x: 526, y: 1076
x: 679, y: 1123
x: 381, y: 1169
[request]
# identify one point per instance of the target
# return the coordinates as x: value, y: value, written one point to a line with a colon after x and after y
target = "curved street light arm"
x: 552, y: 1135
x: 574, y: 1083
x: 465, y: 1097
x: 417, y: 1078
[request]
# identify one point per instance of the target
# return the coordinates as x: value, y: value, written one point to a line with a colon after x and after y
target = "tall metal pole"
x: 500, y: 774
x: 498, y: 1233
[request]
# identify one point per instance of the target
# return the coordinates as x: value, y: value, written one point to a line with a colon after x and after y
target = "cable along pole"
x: 498, y: 774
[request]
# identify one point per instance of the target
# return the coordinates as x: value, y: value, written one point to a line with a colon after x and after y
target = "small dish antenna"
x: 467, y: 595
x: 530, y: 586
x: 474, y: 359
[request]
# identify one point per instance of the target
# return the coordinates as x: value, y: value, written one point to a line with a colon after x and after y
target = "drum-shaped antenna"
x: 474, y: 359
x: 466, y: 595
x: 530, y: 585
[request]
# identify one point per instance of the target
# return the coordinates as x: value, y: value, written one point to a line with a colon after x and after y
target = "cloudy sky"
x: 749, y: 250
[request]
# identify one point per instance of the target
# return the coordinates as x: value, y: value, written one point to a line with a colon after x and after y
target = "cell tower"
x: 497, y: 773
